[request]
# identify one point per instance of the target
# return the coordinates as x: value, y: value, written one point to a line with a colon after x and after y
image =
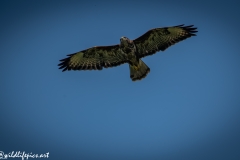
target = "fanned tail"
x: 139, y: 72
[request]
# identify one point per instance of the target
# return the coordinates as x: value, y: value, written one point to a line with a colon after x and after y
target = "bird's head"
x: 125, y: 42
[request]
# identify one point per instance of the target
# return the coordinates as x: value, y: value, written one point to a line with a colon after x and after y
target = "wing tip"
x: 191, y: 29
x: 64, y: 64
x: 179, y: 25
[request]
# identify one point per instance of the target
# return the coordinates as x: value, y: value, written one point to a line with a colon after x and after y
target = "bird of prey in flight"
x: 128, y: 51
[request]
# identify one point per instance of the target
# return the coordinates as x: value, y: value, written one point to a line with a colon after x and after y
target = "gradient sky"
x: 186, y: 108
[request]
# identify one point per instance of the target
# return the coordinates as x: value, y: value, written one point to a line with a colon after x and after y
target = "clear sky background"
x: 186, y: 108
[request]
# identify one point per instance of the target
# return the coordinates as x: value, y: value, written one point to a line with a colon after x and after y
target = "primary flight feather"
x: 128, y: 51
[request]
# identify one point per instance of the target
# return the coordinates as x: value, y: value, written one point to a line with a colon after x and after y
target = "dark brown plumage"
x: 128, y: 51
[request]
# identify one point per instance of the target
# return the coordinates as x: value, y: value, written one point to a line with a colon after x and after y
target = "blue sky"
x: 186, y: 108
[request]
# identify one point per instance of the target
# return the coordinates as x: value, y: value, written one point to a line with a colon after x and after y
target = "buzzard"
x: 128, y: 51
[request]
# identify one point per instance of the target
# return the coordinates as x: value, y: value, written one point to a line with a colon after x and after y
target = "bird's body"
x: 138, y: 69
x: 128, y: 51
x: 128, y: 47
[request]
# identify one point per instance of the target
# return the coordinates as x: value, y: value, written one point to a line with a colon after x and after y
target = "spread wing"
x: 94, y: 58
x: 161, y: 38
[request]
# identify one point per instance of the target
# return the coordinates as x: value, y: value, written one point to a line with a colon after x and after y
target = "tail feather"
x: 139, y: 72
